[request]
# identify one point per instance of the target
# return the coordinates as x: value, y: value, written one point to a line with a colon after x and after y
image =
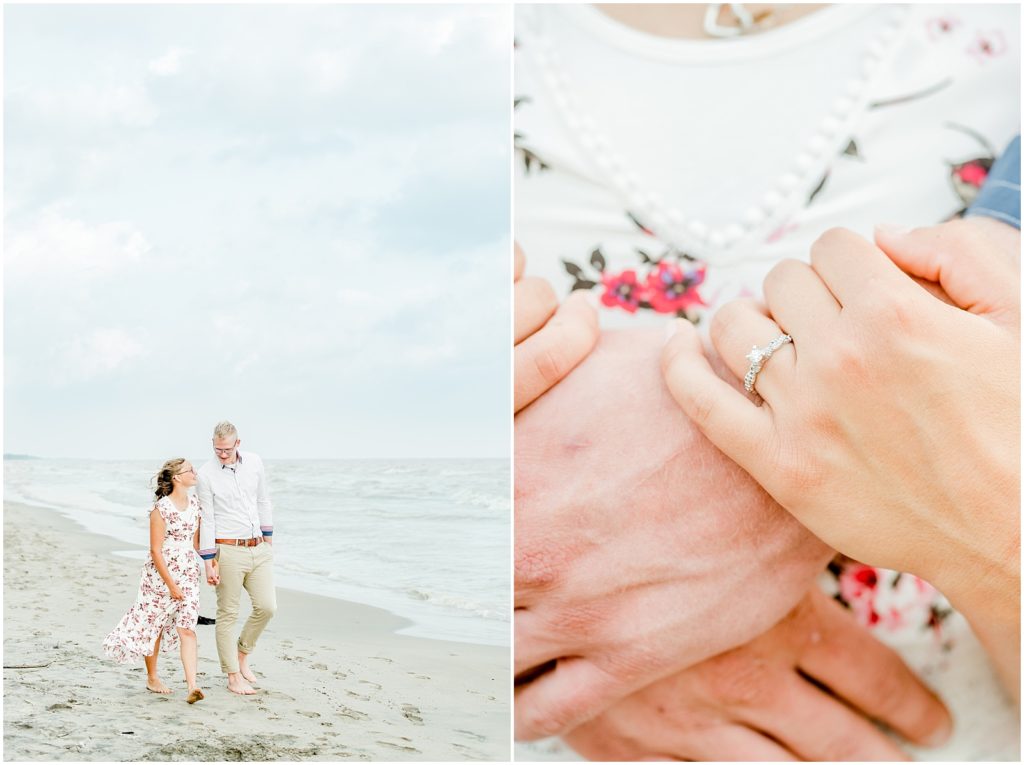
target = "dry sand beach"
x: 336, y: 682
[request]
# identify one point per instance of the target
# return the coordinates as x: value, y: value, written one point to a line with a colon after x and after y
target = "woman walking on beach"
x: 167, y: 606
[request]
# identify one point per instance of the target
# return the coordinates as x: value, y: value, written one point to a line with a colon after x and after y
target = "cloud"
x: 100, y: 353
x: 52, y: 244
x: 169, y: 63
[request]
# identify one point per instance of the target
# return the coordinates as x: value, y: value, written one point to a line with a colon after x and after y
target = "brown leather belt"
x: 240, y: 542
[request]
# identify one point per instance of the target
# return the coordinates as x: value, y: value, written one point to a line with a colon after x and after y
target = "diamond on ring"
x: 757, y: 358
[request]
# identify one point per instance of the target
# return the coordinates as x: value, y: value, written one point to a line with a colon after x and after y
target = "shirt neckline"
x: 637, y: 42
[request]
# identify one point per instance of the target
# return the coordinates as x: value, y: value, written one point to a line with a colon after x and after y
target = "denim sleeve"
x: 999, y: 197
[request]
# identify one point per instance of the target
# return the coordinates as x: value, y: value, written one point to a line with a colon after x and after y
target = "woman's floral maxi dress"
x: 154, y: 610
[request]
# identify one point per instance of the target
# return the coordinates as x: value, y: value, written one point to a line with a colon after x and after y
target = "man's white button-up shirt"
x: 233, y: 501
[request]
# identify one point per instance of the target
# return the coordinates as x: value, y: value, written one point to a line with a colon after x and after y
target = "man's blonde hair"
x: 225, y: 429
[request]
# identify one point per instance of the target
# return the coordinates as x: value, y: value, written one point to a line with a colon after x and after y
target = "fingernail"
x: 892, y: 229
x: 941, y: 736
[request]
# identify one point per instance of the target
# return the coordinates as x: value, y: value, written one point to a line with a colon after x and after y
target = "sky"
x: 292, y: 217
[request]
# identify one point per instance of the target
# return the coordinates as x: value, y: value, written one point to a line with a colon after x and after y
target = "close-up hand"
x: 807, y: 689
x: 890, y: 425
x: 176, y: 593
x: 639, y: 548
x: 550, y: 339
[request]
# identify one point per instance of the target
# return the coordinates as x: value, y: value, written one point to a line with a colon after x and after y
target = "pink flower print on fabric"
x: 940, y: 26
x: 987, y: 45
x: 672, y: 287
x: 622, y: 290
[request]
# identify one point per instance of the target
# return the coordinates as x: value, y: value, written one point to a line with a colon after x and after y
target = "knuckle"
x: 781, y: 272
x: 538, y: 568
x: 557, y: 716
x: 841, y: 748
x: 738, y: 679
x: 550, y: 364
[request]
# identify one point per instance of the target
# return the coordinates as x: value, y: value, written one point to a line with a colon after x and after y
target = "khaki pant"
x: 251, y: 568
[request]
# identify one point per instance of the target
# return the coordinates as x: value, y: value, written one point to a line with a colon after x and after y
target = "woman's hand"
x: 890, y: 425
x: 176, y: 593
x: 770, y: 700
x: 549, y: 339
x: 639, y: 549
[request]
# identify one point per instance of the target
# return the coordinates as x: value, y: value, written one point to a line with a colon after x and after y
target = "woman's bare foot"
x: 238, y: 684
x: 243, y: 667
x: 194, y: 695
x: 156, y: 685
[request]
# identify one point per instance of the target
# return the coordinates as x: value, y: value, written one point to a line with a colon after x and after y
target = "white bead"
x: 620, y: 179
x: 869, y: 66
x: 560, y: 101
x: 588, y: 142
x: 771, y: 200
x: 854, y: 87
x: 676, y: 217
x: 788, y: 182
x: 876, y: 49
x: 888, y: 32
x: 842, y: 106
x: 603, y: 161
x: 716, y: 238
x: 829, y: 126
x: 732, y: 233
x: 817, y: 145
x: 804, y: 162
x: 697, y: 230
x: 753, y: 216
x: 636, y: 202
x: 572, y: 121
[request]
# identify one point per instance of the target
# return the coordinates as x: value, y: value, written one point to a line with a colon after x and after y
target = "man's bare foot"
x: 237, y: 684
x: 195, y: 695
x: 243, y: 667
x: 156, y: 685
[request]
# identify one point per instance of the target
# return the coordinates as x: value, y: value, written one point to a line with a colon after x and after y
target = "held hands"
x: 765, y: 700
x: 639, y: 548
x: 549, y: 339
x: 212, y: 572
x: 890, y: 426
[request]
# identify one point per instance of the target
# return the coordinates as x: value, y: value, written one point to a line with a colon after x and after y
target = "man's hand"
x: 640, y: 549
x: 212, y: 572
x: 770, y: 700
x: 549, y: 339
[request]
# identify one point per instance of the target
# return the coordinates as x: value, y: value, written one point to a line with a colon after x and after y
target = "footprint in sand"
x: 318, y: 665
x: 359, y: 696
x: 377, y: 686
x: 339, y: 673
x: 471, y: 734
x: 308, y: 714
x: 355, y: 714
x: 399, y: 747
x: 383, y: 658
x: 412, y: 714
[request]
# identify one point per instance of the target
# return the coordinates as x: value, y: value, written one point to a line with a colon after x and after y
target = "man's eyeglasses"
x: 226, y: 451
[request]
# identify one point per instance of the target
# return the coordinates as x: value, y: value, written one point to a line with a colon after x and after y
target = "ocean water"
x: 428, y: 540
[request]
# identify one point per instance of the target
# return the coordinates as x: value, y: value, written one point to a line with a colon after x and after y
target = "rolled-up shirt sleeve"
x: 207, y: 530
x: 263, y: 506
x: 999, y: 197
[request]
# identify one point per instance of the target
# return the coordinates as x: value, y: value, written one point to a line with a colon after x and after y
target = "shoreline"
x: 337, y: 682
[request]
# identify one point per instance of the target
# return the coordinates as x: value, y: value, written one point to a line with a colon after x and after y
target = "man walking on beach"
x: 235, y: 542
